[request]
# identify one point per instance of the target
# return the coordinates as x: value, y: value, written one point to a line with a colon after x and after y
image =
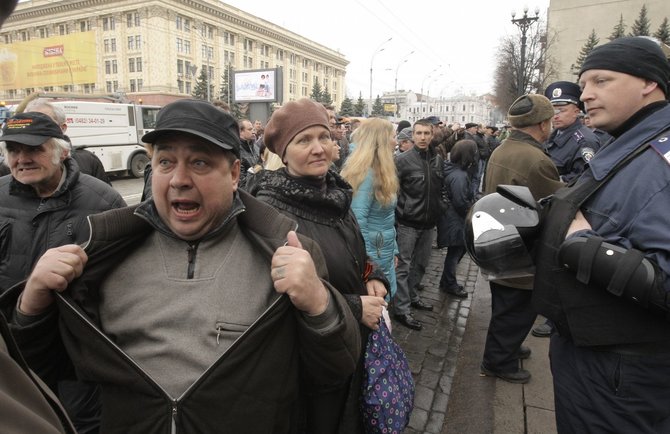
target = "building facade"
x: 570, y: 23
x: 412, y: 106
x: 154, y: 51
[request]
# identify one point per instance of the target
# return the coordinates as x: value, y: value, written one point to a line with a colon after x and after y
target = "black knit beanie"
x: 637, y: 55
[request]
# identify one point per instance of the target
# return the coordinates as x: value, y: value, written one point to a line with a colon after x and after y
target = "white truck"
x: 112, y: 131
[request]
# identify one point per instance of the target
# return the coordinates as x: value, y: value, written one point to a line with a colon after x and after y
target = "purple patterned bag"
x: 388, y: 387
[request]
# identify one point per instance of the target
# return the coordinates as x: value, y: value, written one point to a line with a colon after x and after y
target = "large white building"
x: 459, y: 108
x: 153, y: 50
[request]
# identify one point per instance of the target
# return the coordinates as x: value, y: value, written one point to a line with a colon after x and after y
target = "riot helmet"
x: 499, y: 231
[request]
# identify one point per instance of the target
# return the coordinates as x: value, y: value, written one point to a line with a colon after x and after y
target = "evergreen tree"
x: 641, y: 25
x: 619, y: 31
x: 226, y: 92
x: 589, y: 45
x: 347, y: 107
x: 663, y: 32
x: 200, y: 88
x: 325, y: 97
x: 378, y: 107
x: 359, y: 107
x: 317, y: 93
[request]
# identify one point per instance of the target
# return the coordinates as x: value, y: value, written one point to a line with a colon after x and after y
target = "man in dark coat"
x: 519, y: 160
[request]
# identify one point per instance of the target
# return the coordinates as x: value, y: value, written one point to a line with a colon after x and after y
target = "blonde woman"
x: 370, y: 170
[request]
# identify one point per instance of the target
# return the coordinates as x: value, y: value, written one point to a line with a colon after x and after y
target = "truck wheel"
x: 137, y: 164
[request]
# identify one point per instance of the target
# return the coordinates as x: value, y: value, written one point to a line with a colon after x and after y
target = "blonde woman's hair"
x: 373, y: 151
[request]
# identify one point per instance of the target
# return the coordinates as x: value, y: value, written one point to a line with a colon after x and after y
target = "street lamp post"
x: 523, y: 24
x: 378, y: 50
x: 395, y: 91
x: 424, y: 82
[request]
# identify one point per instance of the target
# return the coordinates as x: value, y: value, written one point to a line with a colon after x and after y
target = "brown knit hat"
x: 291, y: 119
x: 530, y: 109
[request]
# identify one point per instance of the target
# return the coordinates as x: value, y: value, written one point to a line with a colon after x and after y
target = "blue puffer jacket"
x: 377, y: 225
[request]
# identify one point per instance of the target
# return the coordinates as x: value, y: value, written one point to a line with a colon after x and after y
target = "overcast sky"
x: 456, y: 40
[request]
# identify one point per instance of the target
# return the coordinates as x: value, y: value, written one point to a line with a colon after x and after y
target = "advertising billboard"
x: 55, y: 61
x: 259, y: 85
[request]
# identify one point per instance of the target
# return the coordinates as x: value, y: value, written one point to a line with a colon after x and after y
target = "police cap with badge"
x: 564, y: 92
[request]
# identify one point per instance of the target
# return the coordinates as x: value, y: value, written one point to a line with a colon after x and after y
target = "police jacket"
x: 628, y: 209
x: 571, y: 148
x: 420, y: 178
x: 251, y: 388
x: 29, y: 225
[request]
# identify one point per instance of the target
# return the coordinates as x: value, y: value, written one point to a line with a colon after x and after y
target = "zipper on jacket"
x: 192, y: 251
x: 174, y: 412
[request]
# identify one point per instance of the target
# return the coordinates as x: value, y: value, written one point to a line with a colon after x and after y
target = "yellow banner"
x: 56, y: 61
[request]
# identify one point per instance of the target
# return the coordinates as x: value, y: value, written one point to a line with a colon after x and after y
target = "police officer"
x: 571, y: 144
x: 603, y: 258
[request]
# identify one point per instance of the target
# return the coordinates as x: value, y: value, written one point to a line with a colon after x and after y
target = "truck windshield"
x: 149, y: 117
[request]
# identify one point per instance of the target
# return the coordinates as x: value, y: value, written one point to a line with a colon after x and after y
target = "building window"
x: 115, y: 68
x: 131, y: 65
x: 280, y: 55
x: 63, y: 29
x: 108, y: 23
x: 187, y: 47
x: 108, y: 67
x: 84, y: 26
x: 25, y: 36
x: 248, y: 44
x: 133, y: 19
x: 89, y: 87
x: 179, y: 23
x: 43, y: 32
x: 228, y: 38
x: 113, y: 45
x: 138, y: 64
x: 131, y: 42
x: 140, y: 84
x: 132, y: 85
x: 292, y: 59
x: 188, y: 87
x: 207, y: 31
x: 228, y: 58
x: 187, y: 25
x: 106, y: 45
x: 180, y: 86
x: 180, y: 45
x: 305, y: 63
x: 138, y: 42
x: 8, y: 39
x: 265, y: 50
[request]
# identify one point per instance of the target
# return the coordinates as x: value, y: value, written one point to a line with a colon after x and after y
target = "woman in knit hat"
x: 319, y: 200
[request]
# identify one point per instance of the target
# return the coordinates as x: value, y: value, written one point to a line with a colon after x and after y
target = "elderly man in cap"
x: 404, y: 139
x: 519, y: 160
x: 45, y: 203
x: 571, y: 144
x: 603, y: 258
x: 185, y: 307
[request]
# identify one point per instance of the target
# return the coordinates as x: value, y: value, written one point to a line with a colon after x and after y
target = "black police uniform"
x: 611, y: 356
x: 572, y: 147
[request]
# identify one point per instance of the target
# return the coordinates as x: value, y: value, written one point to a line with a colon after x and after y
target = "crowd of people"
x: 241, y: 292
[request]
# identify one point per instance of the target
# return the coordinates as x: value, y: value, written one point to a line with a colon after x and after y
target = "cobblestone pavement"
x: 432, y: 352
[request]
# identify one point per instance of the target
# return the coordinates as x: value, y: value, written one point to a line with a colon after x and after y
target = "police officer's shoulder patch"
x: 578, y: 136
x: 587, y: 154
x: 662, y: 146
